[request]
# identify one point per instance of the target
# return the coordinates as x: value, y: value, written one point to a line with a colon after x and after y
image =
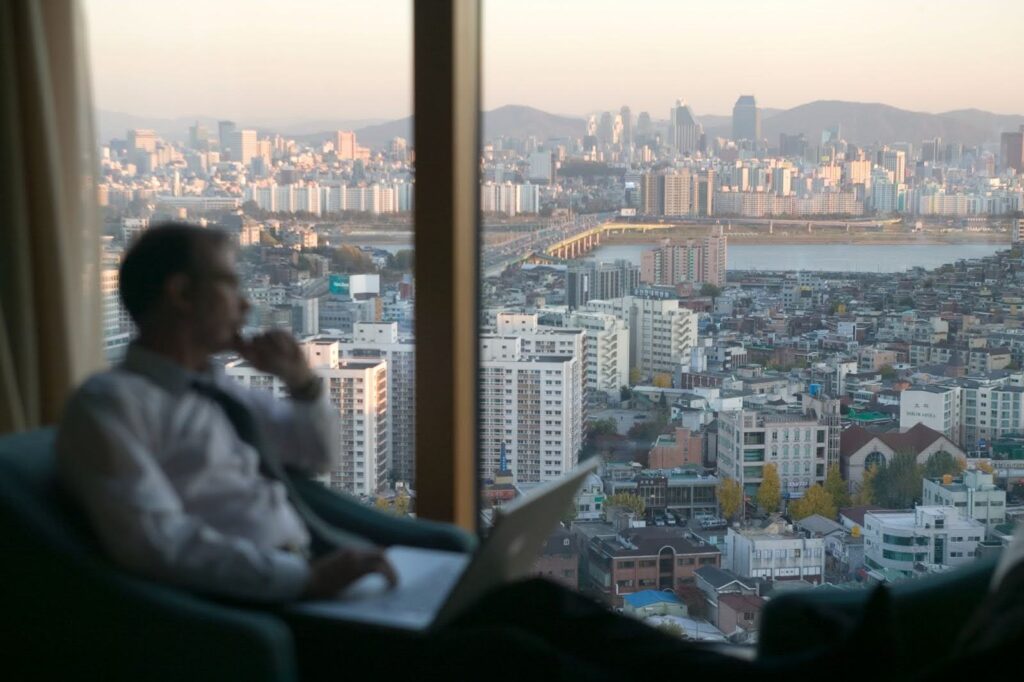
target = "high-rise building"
x: 704, y: 193
x: 746, y: 120
x: 627, y: 127
x: 676, y: 190
x: 542, y: 167
x: 686, y: 132
x: 692, y: 260
x: 782, y: 181
x: 358, y: 389
x: 531, y: 410
x: 792, y: 146
x: 198, y: 137
x: 588, y: 279
x: 661, y: 333
x: 605, y: 129
x: 606, y: 364
x: 381, y: 340
x: 345, y: 144
x: 244, y: 146
x: 142, y: 140
x: 894, y: 161
x: 652, y: 194
x: 225, y: 129
x: 1011, y: 150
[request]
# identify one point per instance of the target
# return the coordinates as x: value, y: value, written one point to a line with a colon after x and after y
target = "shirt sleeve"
x: 304, y: 434
x: 106, y: 461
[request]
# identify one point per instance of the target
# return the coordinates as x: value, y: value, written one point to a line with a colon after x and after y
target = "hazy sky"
x: 304, y: 59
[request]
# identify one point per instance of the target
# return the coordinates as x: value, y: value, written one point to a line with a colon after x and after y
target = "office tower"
x: 605, y: 129
x: 1011, y: 150
x: 781, y: 181
x: 931, y: 151
x: 542, y: 167
x: 358, y: 389
x: 117, y: 323
x: 792, y: 145
x: 686, y: 132
x: 244, y: 146
x: 381, y: 340
x: 225, y: 129
x: 746, y: 120
x: 894, y: 161
x: 399, y: 149
x: 345, y: 144
x: 644, y: 127
x: 586, y: 280
x: 857, y: 172
x: 627, y: 127
x: 652, y: 195
x: 198, y: 137
x: 531, y: 410
x: 142, y: 140
x: 692, y: 260
x: 592, y: 126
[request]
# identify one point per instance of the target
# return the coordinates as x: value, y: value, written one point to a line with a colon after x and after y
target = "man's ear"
x: 178, y: 293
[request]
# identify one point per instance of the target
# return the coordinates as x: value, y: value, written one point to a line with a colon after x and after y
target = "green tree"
x: 887, y: 372
x: 646, y: 431
x: 942, y: 463
x: 898, y: 484
x: 603, y: 427
x: 769, y: 493
x: 866, y: 490
x: 730, y: 497
x: 628, y: 501
x: 710, y: 290
x: 836, y: 487
x: 816, y: 500
x: 402, y: 260
x: 625, y: 394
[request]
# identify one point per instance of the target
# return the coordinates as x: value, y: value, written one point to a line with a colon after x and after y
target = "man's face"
x: 219, y: 307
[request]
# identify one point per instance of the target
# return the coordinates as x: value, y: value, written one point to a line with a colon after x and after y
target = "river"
x: 826, y: 257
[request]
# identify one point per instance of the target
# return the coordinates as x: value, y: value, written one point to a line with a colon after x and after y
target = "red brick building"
x: 650, y: 558
x: 683, y: 448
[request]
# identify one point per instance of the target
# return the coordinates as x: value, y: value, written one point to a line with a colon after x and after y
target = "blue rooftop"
x: 649, y: 597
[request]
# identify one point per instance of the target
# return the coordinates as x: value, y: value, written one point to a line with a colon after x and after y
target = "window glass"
x: 287, y: 125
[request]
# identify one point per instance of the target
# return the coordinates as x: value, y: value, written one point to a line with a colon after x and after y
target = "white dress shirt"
x: 171, y: 490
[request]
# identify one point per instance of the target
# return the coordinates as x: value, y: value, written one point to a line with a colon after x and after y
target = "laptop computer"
x: 434, y: 586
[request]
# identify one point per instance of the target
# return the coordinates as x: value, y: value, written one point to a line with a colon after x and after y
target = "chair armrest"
x: 349, y: 514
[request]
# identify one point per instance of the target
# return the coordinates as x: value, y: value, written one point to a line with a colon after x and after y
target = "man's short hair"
x: 160, y: 252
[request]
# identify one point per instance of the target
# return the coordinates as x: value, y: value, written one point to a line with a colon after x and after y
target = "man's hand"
x: 334, y: 572
x: 276, y: 352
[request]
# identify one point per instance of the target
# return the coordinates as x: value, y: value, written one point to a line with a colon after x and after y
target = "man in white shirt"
x: 179, y: 469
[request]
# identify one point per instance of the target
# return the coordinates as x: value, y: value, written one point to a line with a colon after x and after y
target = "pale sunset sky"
x: 309, y: 59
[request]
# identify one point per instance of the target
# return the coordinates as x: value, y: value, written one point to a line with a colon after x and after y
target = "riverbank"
x: 870, y: 238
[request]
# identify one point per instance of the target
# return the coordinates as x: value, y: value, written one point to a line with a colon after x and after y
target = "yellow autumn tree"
x: 769, y: 493
x: 730, y: 497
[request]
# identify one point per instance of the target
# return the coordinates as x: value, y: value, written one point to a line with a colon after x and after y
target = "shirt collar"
x: 163, y: 371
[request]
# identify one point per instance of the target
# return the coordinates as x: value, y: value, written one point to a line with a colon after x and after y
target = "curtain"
x: 50, y: 305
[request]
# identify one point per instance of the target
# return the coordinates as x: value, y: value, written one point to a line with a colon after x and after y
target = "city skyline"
x: 958, y: 63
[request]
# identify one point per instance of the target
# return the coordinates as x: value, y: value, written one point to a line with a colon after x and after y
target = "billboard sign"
x: 338, y: 284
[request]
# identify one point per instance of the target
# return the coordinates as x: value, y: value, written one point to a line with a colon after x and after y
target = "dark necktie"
x: 324, y: 536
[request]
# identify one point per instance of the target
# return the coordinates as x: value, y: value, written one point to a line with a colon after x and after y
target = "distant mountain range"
x: 859, y: 122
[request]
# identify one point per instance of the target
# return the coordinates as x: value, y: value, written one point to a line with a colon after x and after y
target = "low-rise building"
x: 620, y: 562
x: 681, y: 448
x: 860, y: 448
x: 975, y: 495
x: 776, y: 552
x: 910, y: 542
x: 559, y: 560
